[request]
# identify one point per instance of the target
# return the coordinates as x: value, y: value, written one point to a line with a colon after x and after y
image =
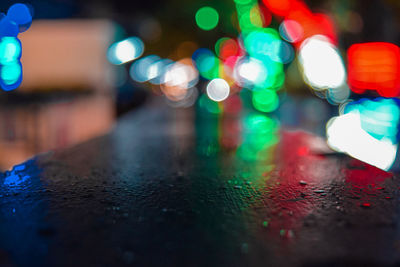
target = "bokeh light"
x: 206, y: 63
x: 157, y: 69
x: 227, y: 47
x: 21, y: 15
x: 10, y: 76
x: 207, y: 18
x: 10, y: 50
x: 344, y: 134
x: 10, y: 66
x: 125, y: 51
x: 321, y: 63
x: 142, y: 71
x: 367, y: 130
x: 374, y: 66
x: 218, y: 89
x: 249, y: 72
x: 291, y: 31
x: 265, y: 100
x: 178, y: 78
x: 8, y: 27
x: 279, y: 7
x: 379, y: 117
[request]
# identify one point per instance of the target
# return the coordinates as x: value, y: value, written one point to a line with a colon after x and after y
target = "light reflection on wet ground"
x: 170, y: 186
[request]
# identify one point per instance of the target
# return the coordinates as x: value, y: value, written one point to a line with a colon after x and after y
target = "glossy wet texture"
x: 171, y: 188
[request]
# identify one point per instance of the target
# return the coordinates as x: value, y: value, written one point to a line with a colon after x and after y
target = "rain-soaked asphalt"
x: 171, y: 188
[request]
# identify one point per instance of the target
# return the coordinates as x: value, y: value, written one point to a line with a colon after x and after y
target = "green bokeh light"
x: 261, y: 42
x: 249, y: 15
x: 207, y: 18
x: 265, y: 100
x: 209, y: 105
x: 243, y: 2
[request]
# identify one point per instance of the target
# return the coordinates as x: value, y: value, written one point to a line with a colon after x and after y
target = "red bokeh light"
x: 229, y: 48
x: 279, y: 7
x: 311, y: 23
x: 374, y: 66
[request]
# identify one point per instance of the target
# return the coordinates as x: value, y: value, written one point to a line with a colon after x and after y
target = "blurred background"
x: 241, y: 70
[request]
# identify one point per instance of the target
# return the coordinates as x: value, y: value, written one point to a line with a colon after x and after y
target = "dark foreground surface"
x: 169, y: 188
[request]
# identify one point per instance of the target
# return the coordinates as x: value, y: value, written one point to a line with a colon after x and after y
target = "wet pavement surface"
x: 174, y: 188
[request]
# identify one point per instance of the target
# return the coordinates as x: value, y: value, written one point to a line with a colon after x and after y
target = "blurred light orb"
x: 10, y: 50
x: 178, y: 78
x: 379, y: 117
x: 21, y: 15
x: 226, y: 47
x: 157, y: 70
x: 281, y: 52
x: 125, y: 51
x: 374, y: 66
x: 255, y: 16
x: 181, y: 74
x: 8, y: 27
x: 10, y: 65
x: 279, y: 7
x: 207, y: 18
x: 207, y: 63
x: 291, y: 31
x: 258, y: 42
x: 218, y: 90
x: 345, y: 134
x: 249, y: 72
x: 242, y: 2
x: 140, y: 71
x: 10, y: 76
x: 265, y: 100
x: 322, y: 65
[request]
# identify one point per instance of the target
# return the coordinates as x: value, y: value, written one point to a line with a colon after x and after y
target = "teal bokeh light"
x: 10, y: 50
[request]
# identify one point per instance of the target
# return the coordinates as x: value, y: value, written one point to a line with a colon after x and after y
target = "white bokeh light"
x: 249, y: 72
x: 125, y: 51
x: 218, y: 89
x: 345, y: 134
x: 322, y: 65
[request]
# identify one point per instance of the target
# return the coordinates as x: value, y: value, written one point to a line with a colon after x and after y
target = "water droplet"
x: 302, y: 182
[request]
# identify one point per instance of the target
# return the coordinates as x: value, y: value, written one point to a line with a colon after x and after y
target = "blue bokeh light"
x: 18, y: 19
